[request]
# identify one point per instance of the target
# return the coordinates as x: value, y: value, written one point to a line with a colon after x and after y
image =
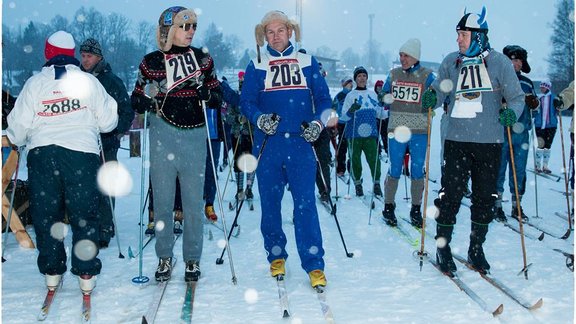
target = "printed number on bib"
x: 284, y: 74
x: 473, y: 77
x: 409, y: 92
x: 60, y: 106
x: 180, y: 67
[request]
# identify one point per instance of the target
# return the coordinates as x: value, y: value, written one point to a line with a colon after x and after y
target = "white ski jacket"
x: 62, y: 106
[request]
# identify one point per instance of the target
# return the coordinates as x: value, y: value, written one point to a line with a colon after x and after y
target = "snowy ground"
x: 382, y: 283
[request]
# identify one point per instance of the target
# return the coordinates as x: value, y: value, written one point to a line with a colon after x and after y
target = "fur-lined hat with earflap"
x: 274, y: 15
x: 172, y: 18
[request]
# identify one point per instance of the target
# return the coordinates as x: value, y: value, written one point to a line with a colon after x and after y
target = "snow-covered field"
x: 382, y: 283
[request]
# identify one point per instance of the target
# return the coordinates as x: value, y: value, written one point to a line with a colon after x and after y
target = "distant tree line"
x: 125, y: 43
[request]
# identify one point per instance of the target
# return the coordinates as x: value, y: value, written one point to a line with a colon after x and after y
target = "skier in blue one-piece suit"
x: 285, y: 95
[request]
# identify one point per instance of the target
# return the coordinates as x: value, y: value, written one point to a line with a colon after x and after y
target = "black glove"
x: 311, y: 131
x: 268, y: 123
x: 558, y: 103
x: 203, y: 93
x: 531, y: 101
x: 355, y: 106
x: 142, y: 104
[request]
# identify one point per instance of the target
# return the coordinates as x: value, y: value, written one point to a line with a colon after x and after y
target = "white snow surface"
x: 382, y: 283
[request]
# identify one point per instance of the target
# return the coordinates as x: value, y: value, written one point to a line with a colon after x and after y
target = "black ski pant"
x: 242, y: 144
x: 342, y: 150
x: 482, y: 161
x: 62, y: 181
x: 110, y: 145
x: 322, y: 147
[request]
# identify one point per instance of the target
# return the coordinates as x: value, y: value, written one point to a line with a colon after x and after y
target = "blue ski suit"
x: 290, y: 85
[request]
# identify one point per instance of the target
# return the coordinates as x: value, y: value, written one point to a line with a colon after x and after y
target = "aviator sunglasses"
x: 188, y: 26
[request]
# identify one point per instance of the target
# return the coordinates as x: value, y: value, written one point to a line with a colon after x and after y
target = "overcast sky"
x: 339, y: 23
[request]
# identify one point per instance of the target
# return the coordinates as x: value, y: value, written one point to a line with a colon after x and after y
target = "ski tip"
x: 567, y: 234
x: 537, y: 305
x: 541, y: 237
x: 498, y: 310
x: 144, y: 321
x: 130, y: 253
x: 286, y: 314
x: 319, y: 289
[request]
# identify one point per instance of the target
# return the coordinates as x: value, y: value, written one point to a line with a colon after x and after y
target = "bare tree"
x: 562, y: 57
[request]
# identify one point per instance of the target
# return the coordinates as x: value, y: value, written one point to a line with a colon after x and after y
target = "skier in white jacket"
x: 58, y: 116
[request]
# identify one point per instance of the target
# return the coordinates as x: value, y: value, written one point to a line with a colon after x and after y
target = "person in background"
x: 545, y: 122
x: 216, y: 130
x: 361, y: 110
x: 520, y: 134
x: 226, y: 135
x: 407, y: 84
x: 474, y: 134
x: 176, y: 95
x: 93, y: 62
x: 288, y: 112
x: 383, y: 123
x: 59, y: 122
x: 562, y: 102
x: 337, y: 104
x: 242, y: 137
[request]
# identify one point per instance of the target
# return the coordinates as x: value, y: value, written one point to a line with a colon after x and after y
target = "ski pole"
x: 534, y: 147
x: 333, y: 141
x: 376, y: 167
x: 422, y: 253
x: 219, y: 194
x: 226, y: 148
x: 234, y: 152
x: 405, y: 167
x: 140, y: 279
x: 351, y: 157
x: 567, y: 234
x: 332, y: 205
x: 116, y: 231
x: 9, y: 216
x: 518, y: 208
x: 248, y: 186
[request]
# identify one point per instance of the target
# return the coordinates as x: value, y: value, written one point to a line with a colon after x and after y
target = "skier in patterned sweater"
x: 475, y: 79
x: 179, y: 78
x: 285, y: 95
x: 406, y: 84
x: 360, y: 111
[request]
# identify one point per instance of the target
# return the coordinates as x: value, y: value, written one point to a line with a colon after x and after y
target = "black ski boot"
x: 377, y: 190
x: 359, y: 190
x: 164, y: 270
x: 522, y: 215
x: 476, y: 255
x: 389, y: 215
x: 443, y: 251
x: 249, y: 194
x: 416, y: 216
x: 499, y: 215
x: 192, y: 271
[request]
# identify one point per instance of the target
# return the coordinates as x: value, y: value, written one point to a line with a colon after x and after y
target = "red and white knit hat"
x: 59, y: 43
